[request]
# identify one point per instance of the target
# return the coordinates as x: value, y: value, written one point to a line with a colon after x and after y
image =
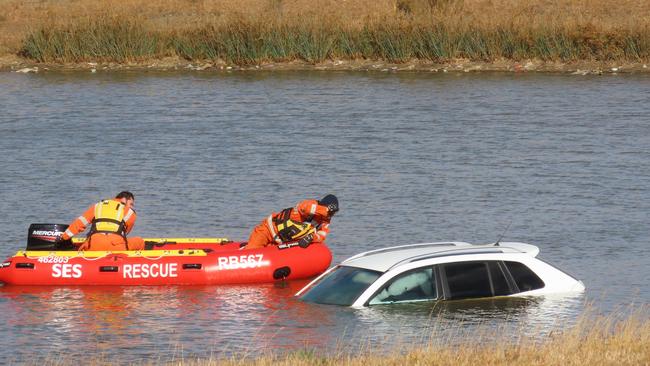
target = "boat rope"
x: 79, y: 255
x: 136, y: 254
x: 92, y: 258
x: 165, y: 253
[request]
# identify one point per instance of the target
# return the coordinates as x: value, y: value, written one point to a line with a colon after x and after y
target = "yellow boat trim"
x: 170, y: 240
x: 103, y: 253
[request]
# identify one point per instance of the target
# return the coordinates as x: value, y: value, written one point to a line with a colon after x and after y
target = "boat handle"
x: 108, y: 269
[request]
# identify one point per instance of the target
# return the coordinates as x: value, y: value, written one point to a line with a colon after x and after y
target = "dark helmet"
x: 331, y: 202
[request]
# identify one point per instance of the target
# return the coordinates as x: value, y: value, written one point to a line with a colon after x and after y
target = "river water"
x: 413, y: 157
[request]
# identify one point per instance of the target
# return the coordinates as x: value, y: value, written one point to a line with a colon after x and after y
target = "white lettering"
x: 153, y: 270
x: 47, y: 232
x: 66, y: 270
x: 136, y: 270
x: 243, y: 261
x: 56, y: 270
x: 76, y: 270
x: 53, y: 259
x: 252, y: 262
x: 223, y: 262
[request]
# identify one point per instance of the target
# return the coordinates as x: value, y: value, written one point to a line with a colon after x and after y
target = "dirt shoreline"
x: 17, y: 64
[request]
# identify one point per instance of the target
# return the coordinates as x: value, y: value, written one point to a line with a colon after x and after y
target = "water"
x: 412, y: 158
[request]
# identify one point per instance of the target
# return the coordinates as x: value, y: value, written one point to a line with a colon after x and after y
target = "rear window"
x: 524, y: 277
x: 342, y: 286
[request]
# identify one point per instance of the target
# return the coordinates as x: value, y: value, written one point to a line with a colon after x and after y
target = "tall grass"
x: 246, y: 43
x: 593, y: 341
x: 103, y: 39
x: 256, y: 31
x: 617, y: 339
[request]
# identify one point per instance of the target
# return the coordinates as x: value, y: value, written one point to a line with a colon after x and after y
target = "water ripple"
x: 413, y: 158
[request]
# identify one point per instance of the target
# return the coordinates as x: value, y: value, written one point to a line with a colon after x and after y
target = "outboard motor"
x: 46, y: 237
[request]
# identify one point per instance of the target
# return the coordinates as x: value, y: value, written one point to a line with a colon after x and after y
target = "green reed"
x: 110, y: 40
x: 248, y: 42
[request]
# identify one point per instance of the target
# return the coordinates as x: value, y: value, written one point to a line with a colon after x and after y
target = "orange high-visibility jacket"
x: 306, y: 211
x: 80, y: 223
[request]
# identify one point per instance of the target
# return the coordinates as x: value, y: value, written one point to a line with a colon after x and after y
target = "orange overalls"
x: 306, y: 211
x: 101, y: 240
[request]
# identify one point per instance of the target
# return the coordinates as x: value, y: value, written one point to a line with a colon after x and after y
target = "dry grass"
x: 616, y: 340
x: 255, y: 31
x: 603, y: 341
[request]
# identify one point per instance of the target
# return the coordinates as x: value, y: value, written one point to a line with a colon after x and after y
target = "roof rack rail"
x: 400, y: 247
x: 447, y: 253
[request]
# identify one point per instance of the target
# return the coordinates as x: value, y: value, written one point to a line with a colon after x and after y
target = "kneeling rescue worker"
x: 110, y: 221
x: 306, y: 223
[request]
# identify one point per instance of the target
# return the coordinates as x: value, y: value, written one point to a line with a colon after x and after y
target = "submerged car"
x: 438, y: 271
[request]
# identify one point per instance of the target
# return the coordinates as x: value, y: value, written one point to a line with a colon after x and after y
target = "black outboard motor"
x: 46, y: 237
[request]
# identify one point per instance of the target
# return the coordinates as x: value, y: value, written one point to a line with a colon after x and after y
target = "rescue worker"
x: 110, y: 220
x: 306, y: 223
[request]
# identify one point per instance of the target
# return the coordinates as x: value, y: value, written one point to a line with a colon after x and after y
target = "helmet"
x: 331, y: 202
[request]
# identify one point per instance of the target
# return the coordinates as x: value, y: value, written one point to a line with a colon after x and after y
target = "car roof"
x: 384, y: 259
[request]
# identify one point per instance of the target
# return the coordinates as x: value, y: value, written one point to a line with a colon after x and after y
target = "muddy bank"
x: 22, y: 65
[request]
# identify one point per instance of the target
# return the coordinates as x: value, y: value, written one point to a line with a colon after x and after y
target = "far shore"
x: 12, y: 63
x: 558, y: 36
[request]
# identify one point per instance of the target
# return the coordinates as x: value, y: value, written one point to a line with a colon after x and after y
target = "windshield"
x: 342, y: 286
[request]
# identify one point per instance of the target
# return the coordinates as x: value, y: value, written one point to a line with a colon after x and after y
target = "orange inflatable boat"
x: 171, y: 261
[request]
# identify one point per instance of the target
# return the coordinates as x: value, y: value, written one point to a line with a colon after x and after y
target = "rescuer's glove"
x: 62, y: 244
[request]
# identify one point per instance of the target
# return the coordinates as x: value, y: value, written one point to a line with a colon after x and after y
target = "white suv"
x: 438, y: 271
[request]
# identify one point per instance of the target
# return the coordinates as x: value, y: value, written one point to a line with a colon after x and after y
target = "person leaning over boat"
x: 110, y: 221
x: 295, y: 223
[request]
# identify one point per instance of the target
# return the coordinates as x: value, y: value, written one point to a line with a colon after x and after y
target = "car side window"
x: 467, y: 280
x: 524, y: 277
x: 499, y: 281
x: 412, y: 286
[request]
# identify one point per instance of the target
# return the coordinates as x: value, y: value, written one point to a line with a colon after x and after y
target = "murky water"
x: 412, y: 157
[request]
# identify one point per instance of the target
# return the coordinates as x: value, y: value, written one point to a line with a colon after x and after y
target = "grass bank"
x: 599, y: 341
x: 254, y: 32
x: 612, y: 340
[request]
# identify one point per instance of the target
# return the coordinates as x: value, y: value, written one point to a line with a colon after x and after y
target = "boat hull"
x: 185, y: 264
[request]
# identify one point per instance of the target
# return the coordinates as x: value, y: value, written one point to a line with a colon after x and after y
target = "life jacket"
x: 109, y: 218
x: 289, y: 230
